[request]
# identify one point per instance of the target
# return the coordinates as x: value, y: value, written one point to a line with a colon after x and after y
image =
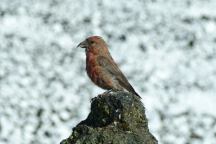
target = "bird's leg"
x: 117, y: 90
x: 106, y: 92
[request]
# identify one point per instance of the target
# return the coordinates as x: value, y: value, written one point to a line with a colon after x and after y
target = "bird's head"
x: 93, y: 42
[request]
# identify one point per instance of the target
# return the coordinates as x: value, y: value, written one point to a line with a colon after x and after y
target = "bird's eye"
x: 92, y: 42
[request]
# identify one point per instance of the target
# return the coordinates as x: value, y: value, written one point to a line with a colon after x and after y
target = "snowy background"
x: 166, y: 48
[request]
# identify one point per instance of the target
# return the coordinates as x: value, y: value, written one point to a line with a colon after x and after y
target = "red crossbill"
x: 101, y: 68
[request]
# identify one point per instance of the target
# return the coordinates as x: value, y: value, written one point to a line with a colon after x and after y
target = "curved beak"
x: 83, y: 44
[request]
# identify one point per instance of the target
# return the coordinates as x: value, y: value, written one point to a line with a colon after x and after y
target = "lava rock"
x: 115, y: 118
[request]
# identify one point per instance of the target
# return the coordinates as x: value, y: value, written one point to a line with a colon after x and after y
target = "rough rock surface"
x: 115, y: 118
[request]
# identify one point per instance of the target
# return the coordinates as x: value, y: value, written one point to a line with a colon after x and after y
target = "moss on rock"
x: 115, y: 118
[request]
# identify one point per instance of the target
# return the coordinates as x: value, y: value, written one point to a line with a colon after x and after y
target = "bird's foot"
x: 105, y: 93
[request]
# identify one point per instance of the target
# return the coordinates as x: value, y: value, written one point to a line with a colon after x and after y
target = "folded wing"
x: 111, y: 67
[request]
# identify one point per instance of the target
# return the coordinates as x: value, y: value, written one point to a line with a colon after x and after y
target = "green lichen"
x: 115, y: 118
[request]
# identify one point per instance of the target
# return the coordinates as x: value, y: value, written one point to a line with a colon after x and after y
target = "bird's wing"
x: 110, y: 66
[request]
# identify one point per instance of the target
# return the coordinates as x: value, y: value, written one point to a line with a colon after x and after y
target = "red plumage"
x: 101, y: 68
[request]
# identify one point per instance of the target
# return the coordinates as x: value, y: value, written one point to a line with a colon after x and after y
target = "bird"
x: 101, y: 67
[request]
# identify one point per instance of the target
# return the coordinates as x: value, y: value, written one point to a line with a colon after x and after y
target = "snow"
x: 166, y: 48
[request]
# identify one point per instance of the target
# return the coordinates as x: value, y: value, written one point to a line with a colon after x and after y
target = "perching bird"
x: 101, y: 68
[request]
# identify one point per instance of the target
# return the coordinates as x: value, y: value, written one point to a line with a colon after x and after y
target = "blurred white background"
x: 166, y: 48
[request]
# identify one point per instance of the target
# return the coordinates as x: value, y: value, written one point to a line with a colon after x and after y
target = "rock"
x: 115, y: 118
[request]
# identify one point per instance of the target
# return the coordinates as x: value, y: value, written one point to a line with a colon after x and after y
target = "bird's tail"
x: 134, y: 92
